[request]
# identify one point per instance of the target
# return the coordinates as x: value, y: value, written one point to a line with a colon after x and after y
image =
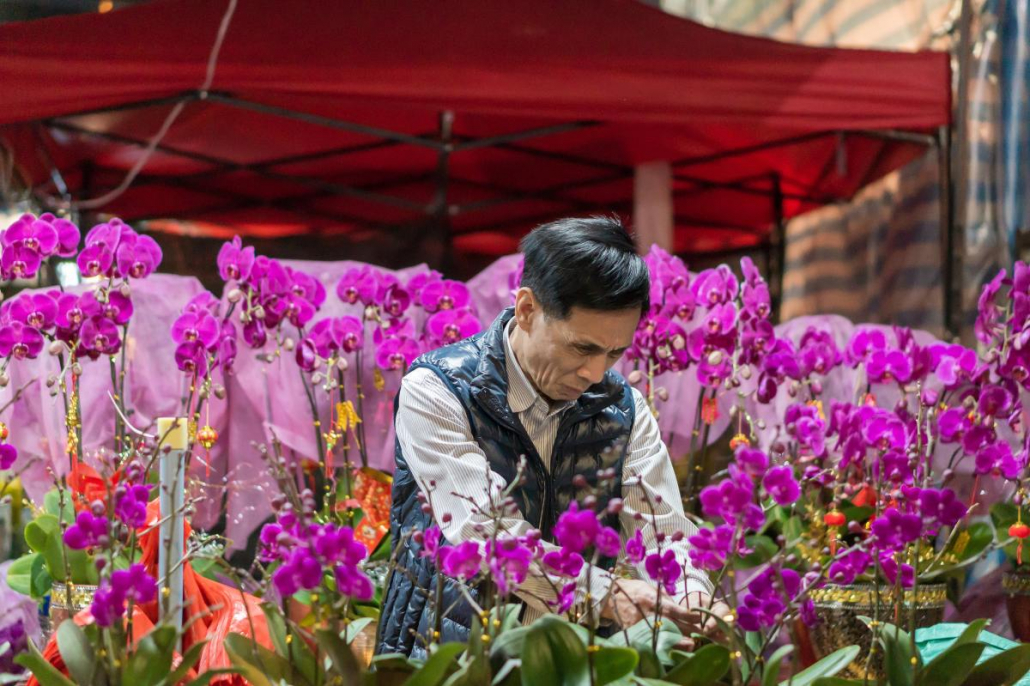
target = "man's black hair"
x: 590, y: 263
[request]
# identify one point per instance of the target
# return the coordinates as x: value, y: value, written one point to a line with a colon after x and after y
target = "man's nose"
x: 594, y: 369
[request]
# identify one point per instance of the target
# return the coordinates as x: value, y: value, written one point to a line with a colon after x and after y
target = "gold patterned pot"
x: 839, y: 609
x: 1017, y: 601
x: 60, y: 609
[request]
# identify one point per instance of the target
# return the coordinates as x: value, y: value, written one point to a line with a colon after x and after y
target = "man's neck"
x: 518, y: 342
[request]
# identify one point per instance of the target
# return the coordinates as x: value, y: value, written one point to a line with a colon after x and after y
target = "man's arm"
x: 437, y: 442
x: 650, y: 488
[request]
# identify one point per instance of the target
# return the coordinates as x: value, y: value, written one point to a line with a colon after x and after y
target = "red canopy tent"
x: 472, y: 120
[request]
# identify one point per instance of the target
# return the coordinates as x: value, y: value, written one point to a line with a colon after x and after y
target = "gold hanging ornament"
x: 4, y: 433
x: 207, y: 436
x: 378, y: 380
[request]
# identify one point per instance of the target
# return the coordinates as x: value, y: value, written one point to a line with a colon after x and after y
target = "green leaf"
x: 508, y: 675
x: 972, y: 632
x: 19, y: 574
x: 1004, y: 669
x: 205, y: 678
x: 473, y: 673
x: 41, y: 581
x: 351, y: 631
x: 151, y: 662
x: 709, y: 664
x: 612, y: 664
x: 899, y: 660
x: 46, y: 674
x: 644, y: 681
x: 508, y: 646
x: 981, y: 535
x: 438, y: 666
x: 76, y: 652
x: 345, y: 663
x: 1003, y: 515
x: 639, y: 636
x: 553, y: 655
x: 951, y: 667
x: 649, y: 666
x: 793, y: 529
x: 190, y: 658
x: 762, y: 550
x: 276, y: 628
x: 828, y: 666
x: 772, y: 666
x: 509, y: 615
x: 52, y: 505
x: 39, y: 530
x: 853, y: 513
x: 259, y: 666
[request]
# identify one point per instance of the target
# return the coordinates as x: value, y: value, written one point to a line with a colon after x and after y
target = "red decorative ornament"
x: 1019, y: 530
x: 709, y: 410
x: 834, y: 519
x: 207, y: 437
x: 739, y: 440
x: 4, y: 433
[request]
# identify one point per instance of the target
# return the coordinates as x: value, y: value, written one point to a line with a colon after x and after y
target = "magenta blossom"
x: 711, y: 548
x: 444, y: 295
x: 576, y: 529
x: 234, y: 261
x: 780, y: 484
x: 87, y: 531
x: 99, y: 336
x: 132, y: 584
x: 564, y: 561
x: 358, y: 284
x: 140, y: 258
x: 451, y: 326
x: 664, y: 569
x: 463, y: 561
x: 20, y: 341
x: 397, y: 354
x: 635, y: 549
x: 8, y: 454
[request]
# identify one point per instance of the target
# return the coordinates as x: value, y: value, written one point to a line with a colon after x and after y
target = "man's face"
x: 564, y: 357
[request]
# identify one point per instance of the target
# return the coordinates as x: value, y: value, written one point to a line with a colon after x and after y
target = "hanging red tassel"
x: 709, y: 410
x: 1021, y: 531
x: 833, y: 519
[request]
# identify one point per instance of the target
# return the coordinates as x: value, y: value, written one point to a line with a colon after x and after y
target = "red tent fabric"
x: 300, y: 132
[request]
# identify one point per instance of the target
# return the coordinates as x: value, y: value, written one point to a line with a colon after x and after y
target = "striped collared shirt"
x: 438, y: 445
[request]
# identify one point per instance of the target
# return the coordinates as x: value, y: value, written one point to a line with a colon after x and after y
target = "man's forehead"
x: 601, y: 330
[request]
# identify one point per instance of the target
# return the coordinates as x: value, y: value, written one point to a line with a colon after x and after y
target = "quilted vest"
x: 593, y: 435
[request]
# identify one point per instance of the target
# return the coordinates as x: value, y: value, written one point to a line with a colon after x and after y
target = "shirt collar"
x: 521, y: 393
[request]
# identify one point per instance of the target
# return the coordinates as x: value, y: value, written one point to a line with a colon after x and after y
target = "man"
x: 538, y: 383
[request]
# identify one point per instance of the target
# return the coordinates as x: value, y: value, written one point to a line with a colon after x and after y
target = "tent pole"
x: 950, y: 257
x: 439, y: 234
x: 779, y: 249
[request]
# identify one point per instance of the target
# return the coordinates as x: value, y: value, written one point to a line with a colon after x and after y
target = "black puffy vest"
x: 593, y: 435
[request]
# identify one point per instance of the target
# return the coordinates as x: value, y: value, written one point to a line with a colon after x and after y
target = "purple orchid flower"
x: 397, y: 353
x: 196, y: 326
x: 444, y: 295
x: 234, y: 261
x: 451, y: 326
x: 20, y: 341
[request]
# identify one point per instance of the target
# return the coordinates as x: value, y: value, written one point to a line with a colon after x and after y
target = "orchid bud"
x: 342, y: 364
x: 745, y: 371
x: 816, y: 387
x: 100, y: 563
x: 278, y: 502
x: 760, y: 423
x: 417, y: 537
x: 219, y: 391
x: 421, y: 497
x: 258, y: 312
x: 677, y: 537
x: 660, y: 537
x: 56, y: 348
x: 97, y: 507
x: 1017, y: 499
x: 234, y: 295
x: 288, y: 344
x: 658, y: 499
x: 478, y: 528
x: 76, y: 371
x: 203, y: 393
x: 103, y: 540
x: 615, y: 506
x: 638, y: 516
x: 51, y: 381
x: 316, y: 378
x: 4, y: 379
x: 446, y: 518
x: 590, y: 502
x: 715, y: 358
x: 635, y: 377
x: 663, y: 393
x: 579, y: 481
x: 125, y: 289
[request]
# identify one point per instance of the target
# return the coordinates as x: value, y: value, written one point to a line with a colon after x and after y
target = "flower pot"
x: 839, y: 609
x: 60, y: 609
x: 1017, y: 601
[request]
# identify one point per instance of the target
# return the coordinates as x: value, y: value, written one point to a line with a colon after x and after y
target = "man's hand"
x: 631, y: 600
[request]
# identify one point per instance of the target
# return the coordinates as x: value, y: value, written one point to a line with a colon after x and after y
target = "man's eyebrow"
x: 594, y: 347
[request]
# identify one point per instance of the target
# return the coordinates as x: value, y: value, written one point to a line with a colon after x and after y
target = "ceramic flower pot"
x: 1017, y: 601
x: 839, y: 609
x: 60, y: 608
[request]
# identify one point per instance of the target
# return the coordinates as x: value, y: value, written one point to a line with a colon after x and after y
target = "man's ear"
x: 526, y: 308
